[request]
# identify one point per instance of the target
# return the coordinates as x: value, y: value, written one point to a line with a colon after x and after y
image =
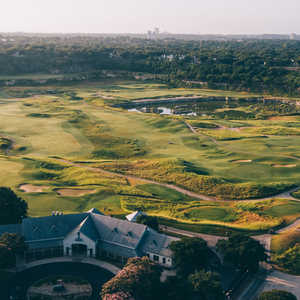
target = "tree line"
x: 270, y: 66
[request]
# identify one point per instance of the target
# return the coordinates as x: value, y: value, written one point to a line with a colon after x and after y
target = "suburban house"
x: 91, y: 234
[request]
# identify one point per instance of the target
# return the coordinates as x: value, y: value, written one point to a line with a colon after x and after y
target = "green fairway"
x: 291, y: 208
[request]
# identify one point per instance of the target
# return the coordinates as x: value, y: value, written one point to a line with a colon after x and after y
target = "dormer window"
x: 53, y: 228
x: 35, y: 228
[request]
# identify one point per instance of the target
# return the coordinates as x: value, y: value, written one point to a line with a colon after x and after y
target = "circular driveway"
x: 96, y: 276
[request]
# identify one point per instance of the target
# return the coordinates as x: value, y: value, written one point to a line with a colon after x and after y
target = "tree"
x: 118, y: 296
x: 206, y: 285
x: 277, y: 295
x: 7, y: 258
x: 189, y: 255
x: 12, y: 207
x: 150, y: 221
x: 139, y: 279
x: 242, y: 251
x: 175, y: 288
x: 13, y: 241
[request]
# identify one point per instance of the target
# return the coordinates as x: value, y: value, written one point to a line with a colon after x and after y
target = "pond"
x: 188, y: 107
x: 219, y: 107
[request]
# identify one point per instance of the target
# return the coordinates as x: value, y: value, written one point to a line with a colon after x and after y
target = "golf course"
x: 197, y: 157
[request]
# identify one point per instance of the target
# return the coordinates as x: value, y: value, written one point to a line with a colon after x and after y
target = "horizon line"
x: 145, y: 33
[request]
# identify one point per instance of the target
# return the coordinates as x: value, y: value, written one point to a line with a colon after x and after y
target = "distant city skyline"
x: 136, y: 16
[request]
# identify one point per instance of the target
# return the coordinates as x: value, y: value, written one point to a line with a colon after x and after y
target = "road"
x: 254, y: 288
x: 278, y: 280
x: 263, y: 281
x: 210, y: 239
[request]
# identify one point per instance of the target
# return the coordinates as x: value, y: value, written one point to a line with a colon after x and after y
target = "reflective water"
x: 193, y: 107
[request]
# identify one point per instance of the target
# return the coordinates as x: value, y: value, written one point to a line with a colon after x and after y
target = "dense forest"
x: 270, y: 66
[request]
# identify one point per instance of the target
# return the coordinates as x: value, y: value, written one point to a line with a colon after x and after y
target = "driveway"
x: 281, y: 281
x: 95, y: 275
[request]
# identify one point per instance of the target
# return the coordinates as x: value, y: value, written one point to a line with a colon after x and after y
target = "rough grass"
x: 289, y: 260
x: 283, y: 241
x: 297, y: 194
x: 115, y: 195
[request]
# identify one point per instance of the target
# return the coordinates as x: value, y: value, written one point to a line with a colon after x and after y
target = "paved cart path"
x: 284, y: 195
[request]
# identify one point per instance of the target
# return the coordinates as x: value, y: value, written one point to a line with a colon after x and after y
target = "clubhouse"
x: 91, y: 234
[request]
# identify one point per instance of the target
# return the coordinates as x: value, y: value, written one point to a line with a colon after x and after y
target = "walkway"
x: 84, y: 260
x: 170, y: 186
x: 211, y: 240
x: 281, y: 281
x: 286, y: 194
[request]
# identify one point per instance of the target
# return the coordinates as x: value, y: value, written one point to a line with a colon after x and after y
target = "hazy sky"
x: 136, y: 16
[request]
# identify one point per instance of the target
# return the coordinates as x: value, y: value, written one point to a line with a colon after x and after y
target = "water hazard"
x: 190, y: 107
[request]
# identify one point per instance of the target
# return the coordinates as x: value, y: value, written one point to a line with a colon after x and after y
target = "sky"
x: 139, y: 16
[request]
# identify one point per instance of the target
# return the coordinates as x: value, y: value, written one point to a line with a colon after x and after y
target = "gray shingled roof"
x: 157, y: 243
x: 118, y: 250
x: 119, y: 232
x: 50, y: 227
x: 87, y: 227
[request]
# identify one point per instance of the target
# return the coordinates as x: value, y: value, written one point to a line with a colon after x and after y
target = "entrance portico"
x: 77, y: 244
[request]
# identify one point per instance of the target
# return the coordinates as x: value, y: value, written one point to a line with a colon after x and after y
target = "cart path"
x: 284, y: 195
x: 170, y: 186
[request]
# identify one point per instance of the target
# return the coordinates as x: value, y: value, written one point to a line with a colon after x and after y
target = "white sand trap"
x: 284, y: 166
x: 242, y: 161
x: 74, y: 192
x: 30, y: 188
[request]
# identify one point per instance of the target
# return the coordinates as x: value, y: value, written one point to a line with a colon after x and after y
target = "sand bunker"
x: 284, y: 166
x: 30, y: 188
x: 284, y: 118
x: 74, y: 192
x: 242, y: 161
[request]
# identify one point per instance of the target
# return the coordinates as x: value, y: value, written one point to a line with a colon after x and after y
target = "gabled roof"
x: 157, y: 243
x: 119, y: 232
x: 95, y: 211
x: 133, y: 216
x: 87, y: 228
x: 51, y: 227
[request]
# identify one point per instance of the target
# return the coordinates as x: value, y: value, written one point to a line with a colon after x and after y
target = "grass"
x: 296, y: 194
x: 78, y: 122
x: 289, y: 261
x: 286, y: 251
x: 285, y: 209
x: 211, y: 213
x: 115, y: 195
x: 204, y: 228
x: 284, y: 241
